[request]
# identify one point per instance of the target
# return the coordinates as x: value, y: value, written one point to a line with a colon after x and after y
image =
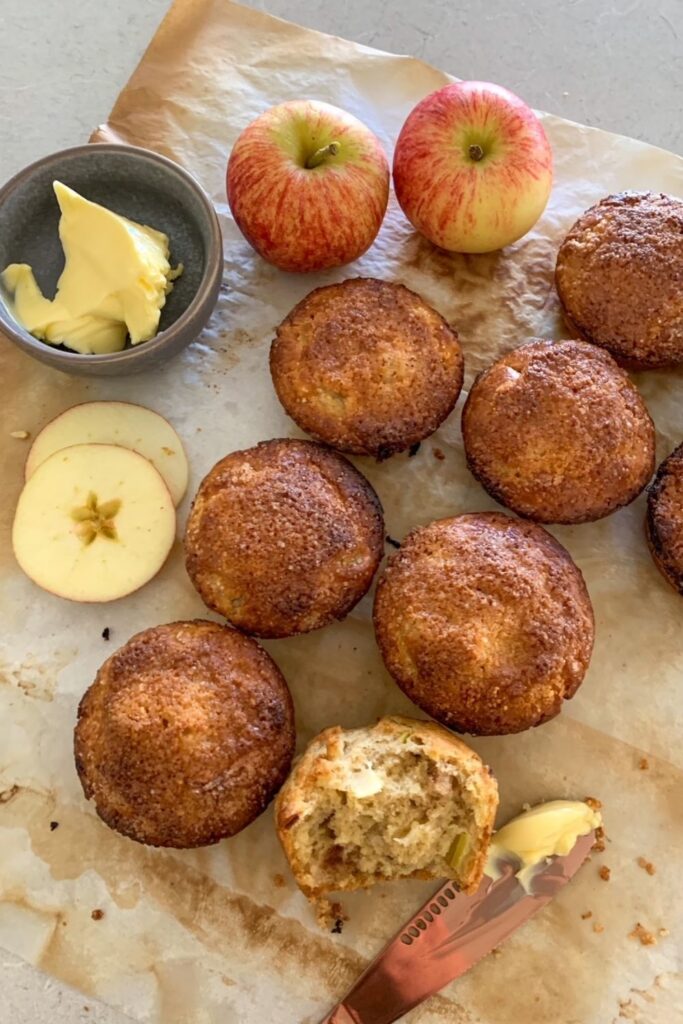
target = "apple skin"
x: 308, y: 218
x: 458, y: 199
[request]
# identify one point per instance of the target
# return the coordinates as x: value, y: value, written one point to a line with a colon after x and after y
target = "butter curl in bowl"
x: 110, y: 259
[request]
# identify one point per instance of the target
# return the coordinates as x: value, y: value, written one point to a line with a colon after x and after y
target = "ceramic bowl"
x: 142, y: 186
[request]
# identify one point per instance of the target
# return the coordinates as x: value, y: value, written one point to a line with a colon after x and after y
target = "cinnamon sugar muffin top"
x: 366, y: 366
x: 185, y: 735
x: 619, y: 276
x: 664, y: 521
x: 485, y: 622
x: 283, y: 537
x: 557, y: 432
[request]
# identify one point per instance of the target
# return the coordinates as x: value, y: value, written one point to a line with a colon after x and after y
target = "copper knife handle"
x: 340, y: 1015
x: 391, y: 984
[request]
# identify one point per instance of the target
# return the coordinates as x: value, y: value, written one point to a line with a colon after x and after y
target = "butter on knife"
x: 547, y: 830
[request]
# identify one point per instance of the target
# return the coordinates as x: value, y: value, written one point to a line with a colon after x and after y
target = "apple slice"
x: 94, y: 523
x: 131, y: 426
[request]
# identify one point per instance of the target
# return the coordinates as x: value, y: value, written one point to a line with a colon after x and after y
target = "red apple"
x: 308, y: 185
x: 473, y: 167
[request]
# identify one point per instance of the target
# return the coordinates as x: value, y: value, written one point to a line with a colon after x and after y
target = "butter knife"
x: 450, y: 934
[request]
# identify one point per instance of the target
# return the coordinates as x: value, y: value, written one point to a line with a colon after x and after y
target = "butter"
x: 362, y: 783
x: 114, y: 283
x: 546, y: 830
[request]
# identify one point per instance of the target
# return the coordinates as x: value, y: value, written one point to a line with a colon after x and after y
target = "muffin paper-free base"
x: 222, y: 934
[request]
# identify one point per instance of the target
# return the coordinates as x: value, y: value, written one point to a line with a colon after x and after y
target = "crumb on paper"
x: 438, y: 454
x: 20, y: 435
x: 338, y: 916
x: 394, y: 543
x: 586, y: 914
x: 106, y: 633
x: 604, y: 873
x: 646, y: 865
x: 414, y: 449
x: 599, y: 844
x: 643, y: 764
x: 330, y: 915
x: 97, y: 914
x: 598, y: 928
x: 54, y: 825
x: 663, y: 932
x: 593, y: 803
x: 645, y: 937
x: 279, y: 881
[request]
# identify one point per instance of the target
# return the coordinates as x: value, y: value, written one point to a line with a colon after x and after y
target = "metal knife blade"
x: 447, y: 936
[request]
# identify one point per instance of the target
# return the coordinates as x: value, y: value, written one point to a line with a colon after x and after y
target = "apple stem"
x: 320, y: 155
x: 475, y: 151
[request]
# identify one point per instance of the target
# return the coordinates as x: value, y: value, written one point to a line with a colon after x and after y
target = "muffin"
x: 185, y: 735
x: 558, y: 433
x: 366, y: 366
x: 283, y: 538
x: 664, y: 522
x: 484, y: 622
x: 399, y: 799
x: 619, y: 276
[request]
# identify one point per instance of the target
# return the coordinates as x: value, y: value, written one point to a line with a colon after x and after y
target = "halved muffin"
x: 400, y: 799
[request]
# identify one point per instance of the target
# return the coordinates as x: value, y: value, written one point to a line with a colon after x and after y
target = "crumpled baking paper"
x: 221, y: 934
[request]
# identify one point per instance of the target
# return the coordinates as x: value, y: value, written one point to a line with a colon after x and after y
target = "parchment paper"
x: 221, y: 934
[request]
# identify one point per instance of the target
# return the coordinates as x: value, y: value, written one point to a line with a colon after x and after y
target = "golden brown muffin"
x: 284, y: 537
x: 619, y: 276
x: 485, y: 622
x: 558, y: 433
x: 185, y: 735
x: 399, y: 799
x: 366, y: 366
x: 664, y: 521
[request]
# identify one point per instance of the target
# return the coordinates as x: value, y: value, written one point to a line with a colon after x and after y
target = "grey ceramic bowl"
x: 140, y: 185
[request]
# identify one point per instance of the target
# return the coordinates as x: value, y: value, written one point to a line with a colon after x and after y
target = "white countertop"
x: 615, y: 64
